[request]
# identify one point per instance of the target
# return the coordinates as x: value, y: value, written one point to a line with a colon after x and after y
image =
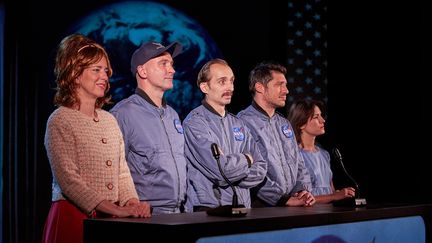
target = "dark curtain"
x: 26, y: 173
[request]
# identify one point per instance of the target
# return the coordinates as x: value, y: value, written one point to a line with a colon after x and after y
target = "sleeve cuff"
x: 283, y: 200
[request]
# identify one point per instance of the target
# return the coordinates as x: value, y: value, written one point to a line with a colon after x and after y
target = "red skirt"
x: 64, y: 223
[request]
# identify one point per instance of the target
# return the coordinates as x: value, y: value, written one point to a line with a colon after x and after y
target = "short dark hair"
x: 262, y: 73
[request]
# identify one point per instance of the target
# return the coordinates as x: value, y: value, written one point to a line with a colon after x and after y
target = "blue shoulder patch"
x: 178, y: 126
x: 238, y: 133
x: 287, y: 131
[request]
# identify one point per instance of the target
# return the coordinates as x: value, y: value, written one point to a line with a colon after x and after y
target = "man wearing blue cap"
x: 152, y: 130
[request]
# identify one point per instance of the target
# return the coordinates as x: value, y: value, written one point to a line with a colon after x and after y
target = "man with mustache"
x: 152, y: 130
x: 210, y: 123
x: 287, y: 182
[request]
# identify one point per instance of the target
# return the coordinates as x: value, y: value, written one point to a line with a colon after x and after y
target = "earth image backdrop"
x: 122, y: 27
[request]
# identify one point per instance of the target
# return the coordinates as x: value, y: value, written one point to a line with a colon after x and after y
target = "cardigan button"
x: 110, y: 186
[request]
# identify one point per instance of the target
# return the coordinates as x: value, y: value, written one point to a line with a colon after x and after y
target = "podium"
x: 270, y: 224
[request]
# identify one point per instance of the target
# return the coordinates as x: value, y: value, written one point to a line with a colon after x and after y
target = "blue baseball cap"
x: 151, y: 50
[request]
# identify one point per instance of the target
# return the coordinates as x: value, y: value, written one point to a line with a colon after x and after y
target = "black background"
x: 376, y: 92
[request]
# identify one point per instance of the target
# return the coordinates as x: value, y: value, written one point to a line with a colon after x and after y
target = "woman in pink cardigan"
x: 85, y: 146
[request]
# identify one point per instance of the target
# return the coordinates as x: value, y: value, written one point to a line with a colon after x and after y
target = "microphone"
x: 215, y: 151
x: 348, y: 201
x: 234, y: 210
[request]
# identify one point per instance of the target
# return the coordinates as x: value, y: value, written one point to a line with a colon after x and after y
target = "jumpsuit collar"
x: 143, y: 95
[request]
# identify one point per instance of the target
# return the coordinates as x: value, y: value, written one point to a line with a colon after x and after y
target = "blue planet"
x: 122, y: 27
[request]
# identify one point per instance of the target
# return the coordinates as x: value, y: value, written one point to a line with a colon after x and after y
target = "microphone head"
x: 337, y: 154
x: 215, y: 150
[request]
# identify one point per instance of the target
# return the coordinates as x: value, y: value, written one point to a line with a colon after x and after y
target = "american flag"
x: 307, y: 50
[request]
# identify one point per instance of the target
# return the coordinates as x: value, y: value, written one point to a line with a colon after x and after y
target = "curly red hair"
x: 75, y: 53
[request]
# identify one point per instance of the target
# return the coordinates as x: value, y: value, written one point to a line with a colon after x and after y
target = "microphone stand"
x: 357, y: 200
x: 234, y: 210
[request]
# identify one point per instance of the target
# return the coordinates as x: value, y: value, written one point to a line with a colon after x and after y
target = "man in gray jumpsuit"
x: 210, y: 123
x: 152, y: 130
x: 287, y: 182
